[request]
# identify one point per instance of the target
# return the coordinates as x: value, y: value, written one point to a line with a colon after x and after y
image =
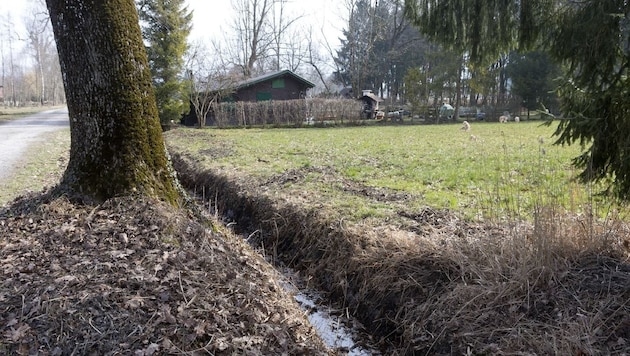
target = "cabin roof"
x: 372, y: 96
x: 253, y: 81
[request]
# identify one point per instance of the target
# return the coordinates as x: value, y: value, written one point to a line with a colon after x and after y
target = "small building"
x: 280, y: 85
x: 370, y: 104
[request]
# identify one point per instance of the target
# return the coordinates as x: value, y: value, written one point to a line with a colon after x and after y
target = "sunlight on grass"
x: 503, y: 171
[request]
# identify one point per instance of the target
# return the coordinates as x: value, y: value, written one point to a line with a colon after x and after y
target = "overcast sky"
x: 213, y: 18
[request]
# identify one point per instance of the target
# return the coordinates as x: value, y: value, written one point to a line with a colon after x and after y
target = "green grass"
x: 505, y: 170
x: 41, y: 166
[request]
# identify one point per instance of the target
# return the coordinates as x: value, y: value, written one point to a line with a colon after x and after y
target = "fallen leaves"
x: 16, y: 334
x: 134, y: 276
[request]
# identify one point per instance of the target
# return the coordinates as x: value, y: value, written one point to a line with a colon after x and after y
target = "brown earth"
x: 135, y: 277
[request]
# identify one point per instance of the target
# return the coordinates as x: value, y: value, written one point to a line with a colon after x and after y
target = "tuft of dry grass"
x: 442, y: 285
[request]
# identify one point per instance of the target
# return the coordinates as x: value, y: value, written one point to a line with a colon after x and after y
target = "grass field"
x: 360, y: 213
x: 493, y: 171
x: 373, y: 216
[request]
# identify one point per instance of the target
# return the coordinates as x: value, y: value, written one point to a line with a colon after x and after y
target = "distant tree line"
x: 30, y: 73
x: 381, y: 50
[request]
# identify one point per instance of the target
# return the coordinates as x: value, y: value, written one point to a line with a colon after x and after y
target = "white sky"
x: 213, y: 18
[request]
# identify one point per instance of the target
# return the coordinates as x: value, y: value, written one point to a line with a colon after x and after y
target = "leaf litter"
x: 134, y: 276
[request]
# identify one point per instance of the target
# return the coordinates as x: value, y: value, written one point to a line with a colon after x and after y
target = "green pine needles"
x: 166, y: 25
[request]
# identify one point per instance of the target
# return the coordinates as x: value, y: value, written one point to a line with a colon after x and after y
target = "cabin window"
x: 278, y: 83
x: 263, y: 96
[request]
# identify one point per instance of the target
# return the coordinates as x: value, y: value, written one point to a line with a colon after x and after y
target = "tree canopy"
x: 533, y: 75
x: 589, y: 38
x: 483, y: 28
x: 377, y: 47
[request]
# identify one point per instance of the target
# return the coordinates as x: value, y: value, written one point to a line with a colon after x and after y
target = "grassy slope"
x: 42, y: 165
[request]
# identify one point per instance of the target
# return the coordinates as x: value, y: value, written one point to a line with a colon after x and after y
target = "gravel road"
x: 17, y: 135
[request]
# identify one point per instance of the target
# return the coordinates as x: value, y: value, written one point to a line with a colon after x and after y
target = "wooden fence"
x: 286, y: 113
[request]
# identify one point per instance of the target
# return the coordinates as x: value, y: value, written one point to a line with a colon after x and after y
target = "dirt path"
x: 17, y: 135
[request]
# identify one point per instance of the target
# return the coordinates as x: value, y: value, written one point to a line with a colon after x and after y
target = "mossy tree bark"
x: 117, y: 146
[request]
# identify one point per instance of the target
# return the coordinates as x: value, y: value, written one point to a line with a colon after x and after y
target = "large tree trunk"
x: 117, y: 146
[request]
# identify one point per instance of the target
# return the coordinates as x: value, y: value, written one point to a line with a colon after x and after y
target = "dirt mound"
x: 135, y: 276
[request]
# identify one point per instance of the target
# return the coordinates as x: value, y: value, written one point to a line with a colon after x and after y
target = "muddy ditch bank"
x: 380, y: 282
x: 448, y: 286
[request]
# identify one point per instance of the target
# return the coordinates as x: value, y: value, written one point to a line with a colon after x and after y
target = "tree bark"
x: 117, y: 146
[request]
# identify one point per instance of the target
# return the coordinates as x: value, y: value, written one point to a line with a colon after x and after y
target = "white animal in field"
x: 473, y: 138
x: 503, y: 119
x: 517, y: 119
x: 393, y: 114
x: 380, y: 115
x: 465, y: 126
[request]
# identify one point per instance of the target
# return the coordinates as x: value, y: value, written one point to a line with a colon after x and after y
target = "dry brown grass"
x: 441, y: 285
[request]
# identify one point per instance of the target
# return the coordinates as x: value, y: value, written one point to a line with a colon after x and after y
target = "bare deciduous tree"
x: 317, y: 61
x: 9, y: 37
x: 262, y: 37
x: 253, y: 33
x: 209, y: 81
x: 286, y: 43
x: 40, y: 42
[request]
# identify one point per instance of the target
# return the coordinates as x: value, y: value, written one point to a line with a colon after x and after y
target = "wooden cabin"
x: 370, y: 104
x: 280, y: 85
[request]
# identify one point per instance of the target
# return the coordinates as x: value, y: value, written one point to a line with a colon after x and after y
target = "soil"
x: 137, y: 277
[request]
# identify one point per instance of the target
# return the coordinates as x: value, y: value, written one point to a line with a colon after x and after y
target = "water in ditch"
x: 338, y: 330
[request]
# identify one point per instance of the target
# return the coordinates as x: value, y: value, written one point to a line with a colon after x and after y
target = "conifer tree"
x: 166, y: 26
x: 590, y: 38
